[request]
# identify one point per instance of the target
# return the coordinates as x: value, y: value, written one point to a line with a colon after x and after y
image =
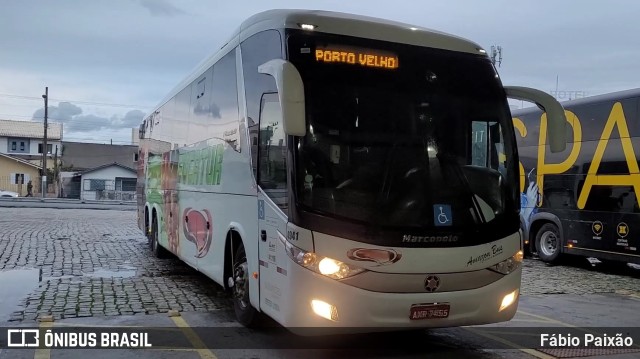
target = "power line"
x: 22, y: 97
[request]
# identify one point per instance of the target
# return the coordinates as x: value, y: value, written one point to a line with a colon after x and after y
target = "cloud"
x: 64, y: 112
x: 161, y: 8
x: 75, y: 121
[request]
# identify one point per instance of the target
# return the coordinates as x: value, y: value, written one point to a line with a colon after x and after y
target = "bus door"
x: 272, y: 204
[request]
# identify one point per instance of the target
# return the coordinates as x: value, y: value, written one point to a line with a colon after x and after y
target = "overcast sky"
x: 111, y: 61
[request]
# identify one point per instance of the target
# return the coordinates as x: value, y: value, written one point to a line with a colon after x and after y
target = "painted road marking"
x: 72, y: 325
x: 43, y: 353
x: 193, y: 338
x: 532, y: 352
x: 529, y: 320
x: 555, y: 321
x: 629, y: 294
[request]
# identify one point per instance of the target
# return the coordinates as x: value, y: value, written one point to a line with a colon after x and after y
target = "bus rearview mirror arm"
x: 556, y: 119
x: 291, y: 94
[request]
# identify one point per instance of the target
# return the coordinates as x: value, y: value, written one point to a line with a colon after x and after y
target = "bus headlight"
x: 323, y: 265
x: 508, y: 265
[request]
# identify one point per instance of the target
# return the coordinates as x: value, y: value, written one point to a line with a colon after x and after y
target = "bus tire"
x: 156, y: 249
x: 245, y: 313
x: 548, y: 243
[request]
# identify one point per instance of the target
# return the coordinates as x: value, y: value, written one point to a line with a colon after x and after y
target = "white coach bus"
x: 333, y: 170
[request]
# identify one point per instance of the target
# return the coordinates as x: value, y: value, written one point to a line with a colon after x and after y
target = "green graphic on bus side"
x: 153, y: 176
x: 201, y: 167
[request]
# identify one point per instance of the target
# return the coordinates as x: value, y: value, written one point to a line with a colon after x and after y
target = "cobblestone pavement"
x: 577, y: 276
x: 97, y: 263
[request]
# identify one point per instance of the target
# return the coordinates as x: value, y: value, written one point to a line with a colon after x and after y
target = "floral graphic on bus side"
x: 198, y: 230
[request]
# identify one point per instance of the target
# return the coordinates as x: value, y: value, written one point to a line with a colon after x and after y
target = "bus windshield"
x: 402, y: 136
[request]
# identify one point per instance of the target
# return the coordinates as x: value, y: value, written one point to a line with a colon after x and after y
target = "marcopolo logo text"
x: 407, y: 238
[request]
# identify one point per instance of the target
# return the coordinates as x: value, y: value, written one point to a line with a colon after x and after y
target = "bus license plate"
x: 429, y: 311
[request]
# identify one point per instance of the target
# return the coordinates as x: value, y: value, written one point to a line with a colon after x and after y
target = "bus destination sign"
x: 367, y: 58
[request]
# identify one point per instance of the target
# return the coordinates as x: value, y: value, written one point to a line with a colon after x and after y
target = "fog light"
x: 324, y: 309
x: 508, y: 300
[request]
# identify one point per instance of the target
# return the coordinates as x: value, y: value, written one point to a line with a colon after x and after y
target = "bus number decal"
x: 260, y: 209
x: 292, y: 235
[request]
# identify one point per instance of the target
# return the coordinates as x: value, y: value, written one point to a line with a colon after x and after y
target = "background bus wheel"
x: 156, y: 249
x: 245, y: 313
x: 548, y: 243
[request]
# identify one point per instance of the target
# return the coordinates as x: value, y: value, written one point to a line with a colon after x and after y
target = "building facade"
x: 25, y: 140
x: 16, y: 173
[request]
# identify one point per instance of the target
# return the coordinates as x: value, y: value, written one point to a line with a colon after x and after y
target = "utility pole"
x: 44, y: 142
x: 496, y: 55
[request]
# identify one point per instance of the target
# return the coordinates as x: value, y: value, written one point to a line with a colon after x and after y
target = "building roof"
x: 20, y: 160
x: 30, y: 129
x: 109, y: 165
x: 79, y: 156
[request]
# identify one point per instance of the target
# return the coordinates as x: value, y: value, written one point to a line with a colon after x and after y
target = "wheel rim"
x: 241, y: 286
x: 548, y: 243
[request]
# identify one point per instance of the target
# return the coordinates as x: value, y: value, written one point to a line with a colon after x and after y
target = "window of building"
x: 18, y: 145
x: 49, y: 148
x: 135, y: 157
x: 18, y: 178
x: 95, y: 184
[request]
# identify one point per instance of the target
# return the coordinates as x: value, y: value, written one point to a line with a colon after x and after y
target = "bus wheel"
x: 548, y: 243
x: 245, y: 312
x: 156, y: 249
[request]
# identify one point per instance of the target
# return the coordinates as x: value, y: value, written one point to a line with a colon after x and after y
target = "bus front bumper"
x: 314, y: 297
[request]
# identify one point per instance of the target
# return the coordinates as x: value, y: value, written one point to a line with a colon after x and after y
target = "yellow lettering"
x: 616, y: 117
x: 335, y: 56
x: 327, y: 56
x: 351, y: 58
x: 370, y: 60
x: 393, y: 63
x: 362, y: 59
x: 343, y: 56
x: 556, y: 168
x: 319, y: 55
x: 519, y: 125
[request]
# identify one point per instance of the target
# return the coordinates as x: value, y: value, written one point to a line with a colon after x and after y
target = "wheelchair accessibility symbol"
x: 442, y: 215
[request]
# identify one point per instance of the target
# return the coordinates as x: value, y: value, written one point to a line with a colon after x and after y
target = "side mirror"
x: 291, y: 94
x: 556, y: 119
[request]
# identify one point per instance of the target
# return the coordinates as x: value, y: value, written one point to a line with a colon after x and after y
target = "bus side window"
x: 479, y: 133
x: 272, y: 153
x: 256, y: 50
x: 486, y: 145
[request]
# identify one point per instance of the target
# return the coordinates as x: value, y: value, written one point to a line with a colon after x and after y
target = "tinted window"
x: 256, y: 50
x: 224, y: 104
x: 403, y: 146
x: 273, y: 151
